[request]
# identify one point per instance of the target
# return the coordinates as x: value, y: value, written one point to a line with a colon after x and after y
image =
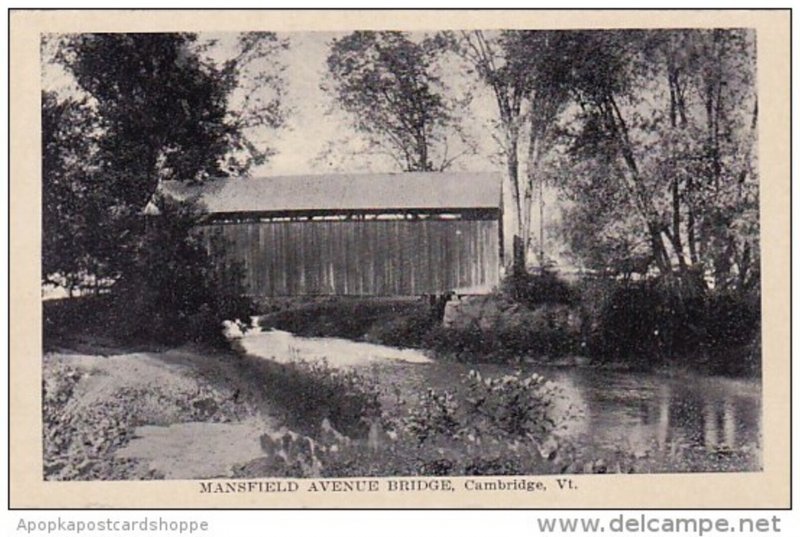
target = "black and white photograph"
x: 378, y: 259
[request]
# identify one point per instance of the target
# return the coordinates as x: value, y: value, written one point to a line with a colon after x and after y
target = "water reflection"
x: 697, y: 421
x: 671, y: 415
x: 692, y: 421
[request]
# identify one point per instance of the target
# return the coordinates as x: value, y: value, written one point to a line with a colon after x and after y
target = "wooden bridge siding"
x: 378, y: 257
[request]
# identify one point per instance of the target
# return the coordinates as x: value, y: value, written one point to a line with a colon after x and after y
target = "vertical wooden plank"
x: 412, y: 246
x: 345, y: 228
x: 354, y: 267
x: 472, y: 253
x: 459, y: 237
x: 399, y: 258
x: 273, y: 259
x: 313, y: 261
x: 363, y: 258
x: 493, y: 255
x: 380, y: 249
x: 267, y: 250
x: 330, y: 284
x: 248, y: 252
x: 336, y: 255
x: 480, y: 256
x: 329, y: 261
x: 283, y: 258
x: 402, y: 261
x: 435, y: 256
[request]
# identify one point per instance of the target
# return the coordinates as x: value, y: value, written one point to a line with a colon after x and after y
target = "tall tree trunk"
x: 675, y: 235
x: 512, y: 166
x: 532, y: 172
x: 618, y: 128
x: 676, y: 111
x: 691, y: 237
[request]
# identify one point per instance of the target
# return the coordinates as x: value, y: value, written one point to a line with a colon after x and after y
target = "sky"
x: 312, y: 124
x: 315, y: 124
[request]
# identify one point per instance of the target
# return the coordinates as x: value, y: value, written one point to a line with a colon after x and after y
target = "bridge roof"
x: 309, y: 193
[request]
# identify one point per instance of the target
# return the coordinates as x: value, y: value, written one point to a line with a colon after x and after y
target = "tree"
x: 538, y: 56
x: 525, y: 73
x: 386, y: 82
x: 69, y: 191
x: 165, y: 109
x: 256, y: 106
x: 160, y: 109
x: 665, y: 128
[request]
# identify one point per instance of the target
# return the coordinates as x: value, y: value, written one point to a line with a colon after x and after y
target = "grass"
x: 350, y: 318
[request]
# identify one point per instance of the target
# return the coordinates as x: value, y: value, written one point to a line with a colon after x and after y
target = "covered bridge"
x: 401, y: 234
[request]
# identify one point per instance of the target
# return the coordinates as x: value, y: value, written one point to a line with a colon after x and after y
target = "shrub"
x: 175, y: 291
x: 467, y: 456
x: 170, y: 290
x: 513, y: 335
x: 650, y: 323
x: 310, y: 392
x: 494, y: 426
x: 406, y: 330
x: 535, y: 289
x: 513, y: 407
x: 631, y: 325
x: 350, y: 318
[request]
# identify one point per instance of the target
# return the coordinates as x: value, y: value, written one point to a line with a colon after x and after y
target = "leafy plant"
x: 310, y: 392
x: 513, y: 408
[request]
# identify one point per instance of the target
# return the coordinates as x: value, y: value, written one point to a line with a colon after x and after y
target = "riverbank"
x: 110, y: 413
x: 291, y: 406
x: 598, y: 324
x: 605, y: 420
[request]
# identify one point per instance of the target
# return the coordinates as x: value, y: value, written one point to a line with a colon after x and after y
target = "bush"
x: 175, y: 291
x: 513, y: 407
x: 533, y: 290
x: 494, y: 426
x: 512, y: 335
x: 171, y: 291
x: 351, y: 318
x: 406, y: 330
x: 650, y: 323
x: 308, y: 393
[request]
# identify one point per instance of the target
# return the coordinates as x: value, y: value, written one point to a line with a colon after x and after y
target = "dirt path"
x: 183, y: 413
x: 186, y: 413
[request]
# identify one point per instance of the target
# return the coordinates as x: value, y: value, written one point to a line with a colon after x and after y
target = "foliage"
x: 528, y: 77
x: 162, y: 108
x: 345, y: 317
x: 172, y: 291
x: 536, y: 289
x: 499, y: 328
x: 150, y: 107
x: 512, y: 407
x: 388, y: 85
x: 175, y: 290
x: 75, y: 240
x: 409, y: 329
x: 495, y: 426
x: 256, y: 103
x: 647, y: 324
x: 658, y: 157
x: 309, y: 393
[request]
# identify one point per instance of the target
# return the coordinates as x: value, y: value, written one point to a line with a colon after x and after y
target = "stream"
x: 694, y: 422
